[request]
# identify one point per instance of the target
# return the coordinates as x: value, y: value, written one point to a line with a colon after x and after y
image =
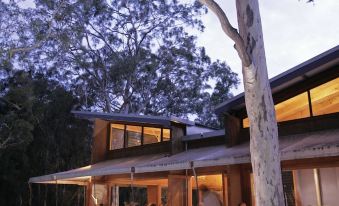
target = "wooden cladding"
x: 323, y: 99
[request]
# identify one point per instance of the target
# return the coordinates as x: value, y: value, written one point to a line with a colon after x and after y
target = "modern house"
x: 170, y: 157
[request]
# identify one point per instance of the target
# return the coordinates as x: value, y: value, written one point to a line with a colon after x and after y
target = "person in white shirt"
x: 208, y: 197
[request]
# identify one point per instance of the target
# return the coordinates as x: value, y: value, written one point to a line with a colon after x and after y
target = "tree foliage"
x: 128, y: 56
x: 112, y: 56
x: 38, y: 136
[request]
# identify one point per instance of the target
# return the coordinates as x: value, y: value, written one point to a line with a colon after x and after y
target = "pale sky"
x: 294, y: 31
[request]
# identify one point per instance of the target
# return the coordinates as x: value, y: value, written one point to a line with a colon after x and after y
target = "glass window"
x: 166, y: 134
x: 99, y: 194
x: 133, y: 135
x: 325, y: 98
x: 152, y: 135
x: 294, y: 108
x: 117, y: 136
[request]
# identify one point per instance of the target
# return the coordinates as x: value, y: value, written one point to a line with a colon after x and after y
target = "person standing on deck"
x: 208, y: 197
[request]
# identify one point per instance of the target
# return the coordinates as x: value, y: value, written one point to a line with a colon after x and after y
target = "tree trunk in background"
x: 264, y: 144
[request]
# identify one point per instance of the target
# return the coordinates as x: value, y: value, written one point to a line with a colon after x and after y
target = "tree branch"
x: 230, y: 31
x: 38, y: 44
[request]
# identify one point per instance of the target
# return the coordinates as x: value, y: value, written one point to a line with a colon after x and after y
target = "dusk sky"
x: 294, y: 31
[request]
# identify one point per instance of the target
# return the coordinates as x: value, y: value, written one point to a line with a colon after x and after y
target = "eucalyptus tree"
x: 264, y: 144
x: 127, y: 56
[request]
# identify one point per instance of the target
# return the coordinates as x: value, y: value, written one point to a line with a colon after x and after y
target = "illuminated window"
x: 325, y: 98
x: 122, y: 135
x: 210, y: 187
x: 117, y: 136
x: 166, y: 134
x: 133, y: 135
x: 296, y: 107
x: 152, y: 135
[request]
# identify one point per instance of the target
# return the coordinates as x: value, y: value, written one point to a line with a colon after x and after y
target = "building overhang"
x: 132, y: 118
x: 295, y: 75
x: 318, y: 144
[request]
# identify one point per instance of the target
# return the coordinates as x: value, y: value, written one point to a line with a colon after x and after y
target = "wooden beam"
x: 234, y: 186
x: 296, y: 188
x: 310, y: 163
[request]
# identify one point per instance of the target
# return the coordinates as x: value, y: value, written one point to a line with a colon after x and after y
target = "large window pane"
x: 166, y: 134
x: 152, y: 135
x: 294, y: 108
x: 117, y: 136
x: 325, y: 98
x: 133, y: 135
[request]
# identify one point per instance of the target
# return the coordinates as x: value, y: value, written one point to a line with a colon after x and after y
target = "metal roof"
x: 166, y: 121
x: 204, y: 135
x: 286, y: 79
x: 300, y: 146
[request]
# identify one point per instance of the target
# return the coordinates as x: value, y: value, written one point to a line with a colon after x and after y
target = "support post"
x: 154, y: 194
x: 233, y: 187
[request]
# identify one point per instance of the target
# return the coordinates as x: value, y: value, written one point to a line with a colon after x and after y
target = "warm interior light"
x: 294, y: 108
x: 325, y: 98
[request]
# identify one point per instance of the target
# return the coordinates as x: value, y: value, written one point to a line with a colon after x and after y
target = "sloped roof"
x: 301, y: 146
x: 284, y: 80
x: 160, y: 120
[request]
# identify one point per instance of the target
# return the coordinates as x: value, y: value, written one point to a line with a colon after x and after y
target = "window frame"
x: 125, y: 144
x: 309, y: 101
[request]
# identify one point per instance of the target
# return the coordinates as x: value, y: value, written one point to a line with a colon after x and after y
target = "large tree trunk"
x: 265, y: 155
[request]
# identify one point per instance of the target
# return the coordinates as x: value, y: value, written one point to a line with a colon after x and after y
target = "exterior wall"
x: 232, y: 129
x: 99, y: 146
x: 178, y: 131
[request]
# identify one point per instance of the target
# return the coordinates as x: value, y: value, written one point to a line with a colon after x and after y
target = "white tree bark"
x: 264, y: 144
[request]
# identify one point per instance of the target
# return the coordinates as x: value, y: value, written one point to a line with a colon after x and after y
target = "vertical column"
x: 317, y: 186
x: 189, y: 191
x: 154, y: 194
x: 296, y: 188
x: 233, y: 185
x: 177, y: 131
x: 247, y: 186
x: 225, y: 189
x: 100, y: 143
x: 89, y: 200
x: 114, y: 199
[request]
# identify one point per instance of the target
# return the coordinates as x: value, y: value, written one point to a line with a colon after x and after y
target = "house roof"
x: 288, y: 78
x: 160, y: 120
x: 300, y: 146
x: 203, y: 135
